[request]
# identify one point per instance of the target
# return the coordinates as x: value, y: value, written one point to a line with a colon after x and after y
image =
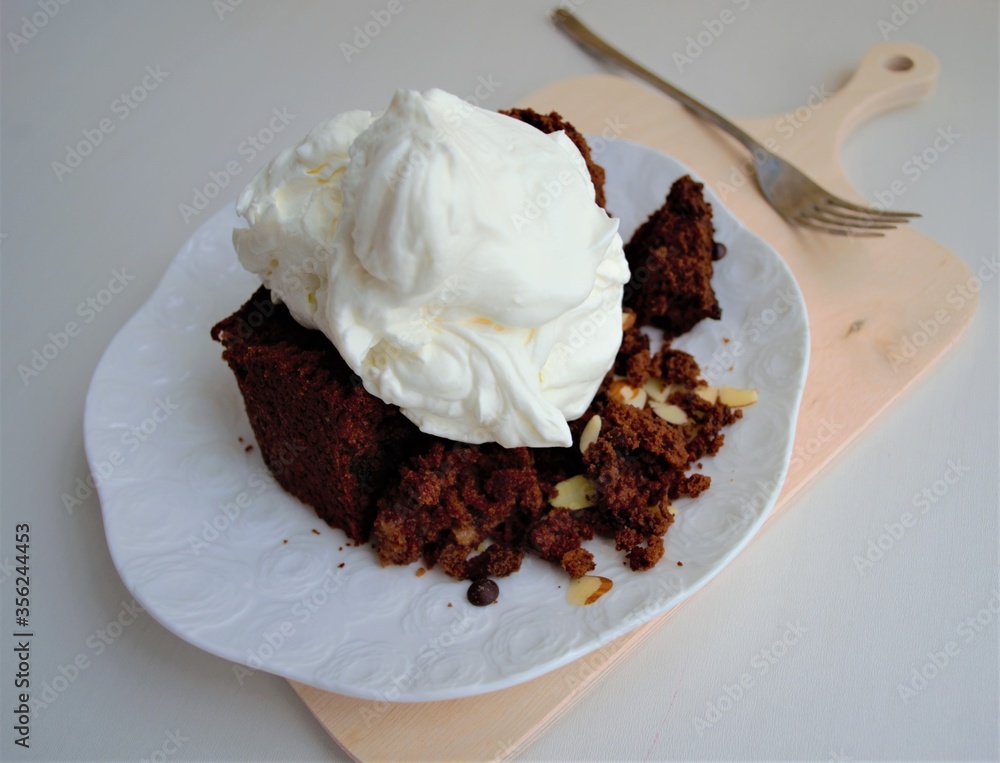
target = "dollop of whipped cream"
x: 454, y: 256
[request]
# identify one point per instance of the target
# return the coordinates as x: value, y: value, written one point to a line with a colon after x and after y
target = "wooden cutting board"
x: 881, y: 312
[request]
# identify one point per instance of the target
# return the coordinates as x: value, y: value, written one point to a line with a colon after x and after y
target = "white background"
x: 833, y: 696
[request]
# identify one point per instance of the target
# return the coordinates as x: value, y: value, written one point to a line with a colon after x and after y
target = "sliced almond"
x: 659, y: 390
x: 639, y: 399
x: 670, y: 413
x: 737, y: 398
x: 629, y: 395
x: 628, y: 320
x: 671, y: 510
x: 708, y: 394
x: 575, y: 493
x: 590, y: 433
x: 587, y: 589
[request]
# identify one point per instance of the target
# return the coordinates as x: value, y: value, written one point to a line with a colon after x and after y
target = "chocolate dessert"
x: 366, y: 469
x: 476, y: 510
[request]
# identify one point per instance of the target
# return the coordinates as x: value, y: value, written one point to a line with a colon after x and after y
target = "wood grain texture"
x: 881, y: 312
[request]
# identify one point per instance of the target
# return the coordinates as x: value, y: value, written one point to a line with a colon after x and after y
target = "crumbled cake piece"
x: 557, y: 533
x: 496, y: 561
x: 367, y: 469
x: 577, y: 562
x: 670, y: 257
x: 448, y: 500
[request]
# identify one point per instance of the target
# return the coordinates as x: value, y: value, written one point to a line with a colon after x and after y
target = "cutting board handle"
x: 890, y: 75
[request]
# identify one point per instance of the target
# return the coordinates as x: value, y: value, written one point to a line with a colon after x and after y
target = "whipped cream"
x: 454, y: 256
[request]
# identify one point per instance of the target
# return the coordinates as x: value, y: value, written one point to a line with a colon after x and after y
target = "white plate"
x: 197, y: 529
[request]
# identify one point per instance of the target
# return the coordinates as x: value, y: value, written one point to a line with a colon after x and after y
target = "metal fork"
x: 790, y: 191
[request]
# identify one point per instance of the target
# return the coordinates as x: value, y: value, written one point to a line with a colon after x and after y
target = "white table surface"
x: 833, y: 696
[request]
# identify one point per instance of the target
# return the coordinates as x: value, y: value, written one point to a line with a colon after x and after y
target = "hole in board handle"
x: 898, y: 63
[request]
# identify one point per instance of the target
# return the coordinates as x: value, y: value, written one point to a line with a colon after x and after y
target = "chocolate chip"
x: 718, y: 251
x: 483, y: 592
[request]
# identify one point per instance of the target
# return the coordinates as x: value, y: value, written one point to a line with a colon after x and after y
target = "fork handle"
x: 587, y: 39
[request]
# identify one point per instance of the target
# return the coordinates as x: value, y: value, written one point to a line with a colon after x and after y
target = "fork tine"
x: 833, y: 218
x: 871, y: 211
x: 837, y: 231
x: 830, y: 208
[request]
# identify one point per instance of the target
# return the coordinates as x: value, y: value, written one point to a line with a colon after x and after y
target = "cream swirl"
x: 454, y: 256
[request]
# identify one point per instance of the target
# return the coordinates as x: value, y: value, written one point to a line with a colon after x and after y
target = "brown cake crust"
x: 670, y: 257
x: 324, y: 438
x: 475, y: 510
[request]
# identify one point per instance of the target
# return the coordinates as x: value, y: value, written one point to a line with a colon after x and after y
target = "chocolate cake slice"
x: 323, y: 437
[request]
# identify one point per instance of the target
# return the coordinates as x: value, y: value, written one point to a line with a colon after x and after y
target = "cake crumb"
x: 680, y: 564
x: 670, y: 257
x: 285, y: 540
x: 248, y: 448
x: 315, y: 531
x: 421, y: 572
x: 341, y: 565
x: 449, y: 603
x: 725, y: 340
